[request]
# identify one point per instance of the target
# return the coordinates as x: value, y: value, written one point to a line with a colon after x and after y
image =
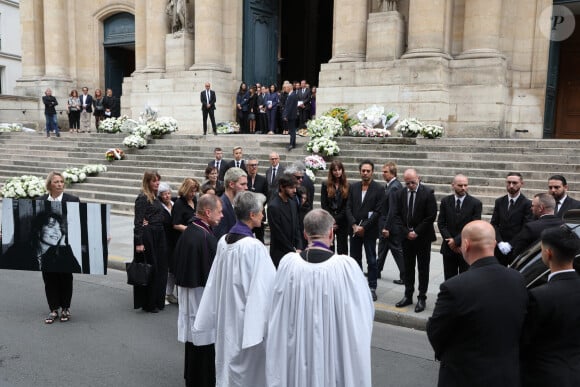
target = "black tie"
x: 410, y: 209
x: 273, y: 175
x: 458, y: 206
x: 558, y: 206
x: 237, y: 164
x: 511, y: 205
x: 217, y: 165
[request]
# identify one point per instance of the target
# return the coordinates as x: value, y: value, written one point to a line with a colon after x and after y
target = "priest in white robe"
x: 233, y: 308
x: 321, y: 316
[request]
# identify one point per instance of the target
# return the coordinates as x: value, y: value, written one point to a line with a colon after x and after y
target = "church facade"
x: 480, y: 68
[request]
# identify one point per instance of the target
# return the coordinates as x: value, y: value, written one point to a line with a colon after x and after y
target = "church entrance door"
x: 119, y: 44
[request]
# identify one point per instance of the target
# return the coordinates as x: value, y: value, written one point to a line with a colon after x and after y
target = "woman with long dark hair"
x: 150, y: 244
x: 242, y: 107
x: 333, y: 198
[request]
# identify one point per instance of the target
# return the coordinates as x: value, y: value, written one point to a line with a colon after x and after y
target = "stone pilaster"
x: 32, y: 40
x: 349, y: 35
x: 156, y: 29
x: 482, y: 29
x: 428, y: 29
x: 209, y: 35
x: 140, y: 35
x: 385, y: 36
x: 56, y: 44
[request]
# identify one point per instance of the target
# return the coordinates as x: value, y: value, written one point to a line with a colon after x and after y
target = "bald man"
x: 478, y: 317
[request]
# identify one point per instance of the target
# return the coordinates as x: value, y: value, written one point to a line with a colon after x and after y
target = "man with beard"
x: 558, y: 188
x: 194, y: 254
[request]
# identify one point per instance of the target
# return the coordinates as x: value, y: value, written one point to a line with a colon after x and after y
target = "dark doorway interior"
x: 305, y: 38
x: 119, y: 45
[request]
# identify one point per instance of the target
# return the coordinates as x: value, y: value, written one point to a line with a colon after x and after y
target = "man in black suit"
x: 304, y: 96
x: 510, y: 212
x: 391, y: 232
x: 238, y: 160
x: 208, y: 100
x: 477, y: 322
x: 219, y: 163
x: 363, y: 210
x: 283, y: 220
x: 289, y: 115
x: 257, y: 183
x: 551, y: 338
x: 235, y: 180
x: 543, y: 205
x: 455, y: 212
x: 558, y: 188
x: 276, y: 169
x: 416, y: 211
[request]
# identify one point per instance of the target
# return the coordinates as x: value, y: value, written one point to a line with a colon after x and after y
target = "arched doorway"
x: 119, y: 44
x: 286, y: 40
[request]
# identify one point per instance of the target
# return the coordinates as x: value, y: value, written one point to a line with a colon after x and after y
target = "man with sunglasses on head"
x: 510, y: 213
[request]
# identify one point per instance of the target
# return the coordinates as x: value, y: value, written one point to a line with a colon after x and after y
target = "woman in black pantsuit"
x: 150, y: 244
x: 333, y: 198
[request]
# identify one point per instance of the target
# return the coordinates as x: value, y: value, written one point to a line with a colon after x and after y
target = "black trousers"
x: 199, y: 365
x: 341, y: 238
x: 419, y: 252
x: 211, y: 118
x: 394, y: 244
x: 58, y: 288
x: 453, y: 264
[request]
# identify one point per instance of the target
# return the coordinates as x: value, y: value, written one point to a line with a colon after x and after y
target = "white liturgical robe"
x: 320, y: 325
x: 234, y: 310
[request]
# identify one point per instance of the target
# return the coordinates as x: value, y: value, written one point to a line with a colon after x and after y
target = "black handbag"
x: 138, y: 273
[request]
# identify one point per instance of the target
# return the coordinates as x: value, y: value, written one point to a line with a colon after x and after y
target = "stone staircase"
x: 484, y: 161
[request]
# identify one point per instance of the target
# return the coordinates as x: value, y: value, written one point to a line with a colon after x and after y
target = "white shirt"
x: 56, y: 199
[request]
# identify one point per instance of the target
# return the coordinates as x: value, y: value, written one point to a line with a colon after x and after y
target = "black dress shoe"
x: 379, y: 275
x: 289, y: 148
x: 420, y: 305
x: 399, y: 282
x: 404, y: 302
x: 374, y: 294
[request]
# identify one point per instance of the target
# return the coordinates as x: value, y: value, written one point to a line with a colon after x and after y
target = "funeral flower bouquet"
x: 324, y: 126
x: 372, y: 116
x: 25, y: 186
x: 161, y: 126
x: 409, y: 127
x: 114, y: 154
x: 341, y: 114
x: 143, y: 131
x: 323, y: 145
x: 135, y: 141
x: 227, y: 127
x: 315, y: 163
x: 432, y: 131
x: 93, y: 169
x: 365, y: 130
x: 74, y: 175
x: 10, y: 127
x: 113, y: 125
x: 390, y: 119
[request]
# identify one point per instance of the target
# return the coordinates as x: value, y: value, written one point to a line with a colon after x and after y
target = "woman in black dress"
x: 150, y: 244
x: 252, y: 109
x: 164, y: 194
x: 184, y: 208
x: 333, y: 198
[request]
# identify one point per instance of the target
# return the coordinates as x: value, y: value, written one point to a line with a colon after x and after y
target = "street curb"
x: 400, y: 319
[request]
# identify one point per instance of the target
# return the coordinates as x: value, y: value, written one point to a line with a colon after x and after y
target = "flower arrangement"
x: 10, y: 127
x: 310, y: 175
x: 409, y: 127
x: 315, y: 163
x: 169, y: 124
x: 432, y: 131
x: 142, y: 131
x: 341, y: 114
x: 227, y: 127
x: 372, y: 116
x: 93, y: 169
x: 74, y: 175
x: 161, y: 126
x: 390, y: 119
x: 365, y: 130
x: 324, y: 126
x: 114, y: 154
x: 324, y: 145
x: 149, y: 114
x: 25, y: 186
x: 134, y: 141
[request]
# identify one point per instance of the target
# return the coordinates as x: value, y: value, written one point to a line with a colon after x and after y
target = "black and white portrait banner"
x: 66, y: 237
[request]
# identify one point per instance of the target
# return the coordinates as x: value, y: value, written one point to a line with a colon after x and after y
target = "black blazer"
x: 450, y: 223
x: 232, y: 164
x: 65, y: 198
x: 387, y: 219
x: 89, y: 102
x: 507, y: 225
x: 531, y: 231
x: 424, y: 213
x: 223, y: 168
x: 476, y: 326
x: 284, y: 228
x: 365, y: 212
x: 204, y: 102
x: 228, y: 220
x: 290, y: 106
x: 550, y: 355
x: 335, y: 206
x: 305, y: 96
x: 569, y: 204
x: 259, y: 185
x: 279, y: 171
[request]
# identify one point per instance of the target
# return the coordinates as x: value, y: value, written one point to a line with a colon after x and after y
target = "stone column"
x: 140, y: 35
x: 32, y: 41
x: 427, y: 29
x: 349, y: 35
x: 56, y: 45
x: 156, y: 29
x: 482, y: 29
x: 209, y: 35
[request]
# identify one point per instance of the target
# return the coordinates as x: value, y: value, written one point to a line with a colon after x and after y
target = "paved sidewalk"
x: 121, y: 251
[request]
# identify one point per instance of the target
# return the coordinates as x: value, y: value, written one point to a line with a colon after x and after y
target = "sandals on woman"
x: 51, y: 317
x: 65, y: 315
